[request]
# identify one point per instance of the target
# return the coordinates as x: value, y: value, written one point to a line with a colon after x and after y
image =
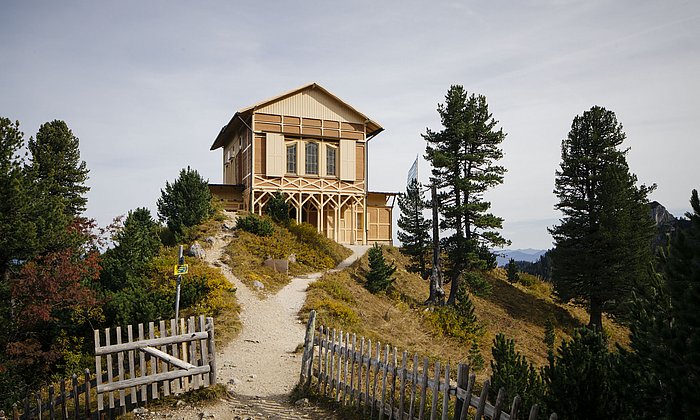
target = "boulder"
x: 258, y: 285
x: 196, y: 250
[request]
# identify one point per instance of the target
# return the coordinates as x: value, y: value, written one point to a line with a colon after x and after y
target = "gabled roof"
x: 239, y: 117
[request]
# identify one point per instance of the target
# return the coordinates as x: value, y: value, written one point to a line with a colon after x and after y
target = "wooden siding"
x: 312, y: 103
x: 308, y: 126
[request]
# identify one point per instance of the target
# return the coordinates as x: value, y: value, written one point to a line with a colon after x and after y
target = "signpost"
x: 180, y: 269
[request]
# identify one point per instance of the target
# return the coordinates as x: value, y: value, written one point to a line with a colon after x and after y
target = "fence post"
x: 482, y: 400
x: 87, y: 393
x: 51, y: 403
x: 462, y: 381
x: 515, y: 408
x: 212, y: 351
x: 307, y: 358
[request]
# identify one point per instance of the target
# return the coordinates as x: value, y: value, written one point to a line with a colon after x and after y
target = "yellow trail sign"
x: 181, y: 269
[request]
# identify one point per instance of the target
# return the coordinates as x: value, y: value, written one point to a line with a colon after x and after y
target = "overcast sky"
x: 147, y: 85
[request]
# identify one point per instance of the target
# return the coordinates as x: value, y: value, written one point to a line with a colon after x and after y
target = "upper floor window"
x: 331, y: 153
x: 312, y: 158
x: 292, y: 158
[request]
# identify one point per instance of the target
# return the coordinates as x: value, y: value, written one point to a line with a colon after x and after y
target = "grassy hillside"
x: 313, y: 252
x: 400, y: 318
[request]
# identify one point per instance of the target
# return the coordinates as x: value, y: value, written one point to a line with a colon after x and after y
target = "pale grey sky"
x: 146, y: 86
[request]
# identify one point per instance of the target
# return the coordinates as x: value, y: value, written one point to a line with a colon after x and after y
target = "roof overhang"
x: 227, y: 132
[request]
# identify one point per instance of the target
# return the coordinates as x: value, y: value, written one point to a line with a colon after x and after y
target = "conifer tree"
x: 136, y: 243
x: 463, y: 156
x: 55, y: 162
x: 603, y: 240
x: 17, y: 232
x: 185, y: 203
x: 512, y: 372
x: 380, y: 274
x: 677, y: 360
x: 512, y: 270
x: 277, y: 208
x: 414, y: 228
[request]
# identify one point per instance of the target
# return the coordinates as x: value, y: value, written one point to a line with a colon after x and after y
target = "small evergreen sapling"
x: 513, y: 373
x: 278, y: 209
x: 512, y: 269
x: 379, y: 278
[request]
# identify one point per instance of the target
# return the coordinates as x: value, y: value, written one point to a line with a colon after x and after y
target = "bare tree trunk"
x: 437, y: 294
x: 596, y: 315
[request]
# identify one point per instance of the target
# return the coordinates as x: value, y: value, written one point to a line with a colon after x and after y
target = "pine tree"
x: 414, y: 228
x: 55, y: 162
x: 277, y: 208
x: 379, y: 277
x: 677, y: 361
x: 463, y: 155
x: 512, y: 372
x: 185, y: 203
x: 17, y: 231
x: 603, y: 240
x: 582, y: 382
x: 136, y: 243
x: 512, y: 270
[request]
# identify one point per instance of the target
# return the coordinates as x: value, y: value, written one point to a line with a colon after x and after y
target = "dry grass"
x: 247, y: 252
x: 518, y: 311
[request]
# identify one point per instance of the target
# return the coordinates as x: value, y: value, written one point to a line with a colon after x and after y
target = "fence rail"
x: 159, y: 361
x: 374, y: 379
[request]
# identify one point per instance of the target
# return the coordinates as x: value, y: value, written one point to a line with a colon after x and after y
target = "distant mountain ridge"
x: 527, y: 254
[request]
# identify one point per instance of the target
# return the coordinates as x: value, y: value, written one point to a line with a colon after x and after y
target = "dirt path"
x: 260, y: 365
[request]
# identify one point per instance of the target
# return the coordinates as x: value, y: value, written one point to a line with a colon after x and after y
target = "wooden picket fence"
x: 69, y: 399
x: 381, y: 387
x: 169, y: 359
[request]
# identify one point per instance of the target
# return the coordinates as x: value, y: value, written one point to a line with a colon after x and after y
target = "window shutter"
x: 275, y: 154
x: 347, y: 160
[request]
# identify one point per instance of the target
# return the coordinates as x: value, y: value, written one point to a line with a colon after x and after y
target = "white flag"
x: 413, y: 172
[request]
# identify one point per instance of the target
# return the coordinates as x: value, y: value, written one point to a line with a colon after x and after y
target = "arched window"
x: 312, y: 158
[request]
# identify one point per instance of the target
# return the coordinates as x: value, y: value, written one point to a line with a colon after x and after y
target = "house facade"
x: 312, y: 147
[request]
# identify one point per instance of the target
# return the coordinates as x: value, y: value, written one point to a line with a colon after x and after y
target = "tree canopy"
x: 186, y: 202
x: 464, y: 157
x: 603, y: 241
x: 414, y: 228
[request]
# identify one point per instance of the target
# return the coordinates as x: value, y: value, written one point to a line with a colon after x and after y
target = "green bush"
x: 255, y: 225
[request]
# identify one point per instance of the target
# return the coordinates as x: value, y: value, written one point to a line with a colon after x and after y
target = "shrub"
x: 255, y: 225
x: 277, y: 208
x: 307, y: 235
x: 379, y: 277
x: 339, y: 311
x: 448, y: 321
x: 513, y: 373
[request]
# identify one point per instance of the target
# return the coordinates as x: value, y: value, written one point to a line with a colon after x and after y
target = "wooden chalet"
x: 311, y: 146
